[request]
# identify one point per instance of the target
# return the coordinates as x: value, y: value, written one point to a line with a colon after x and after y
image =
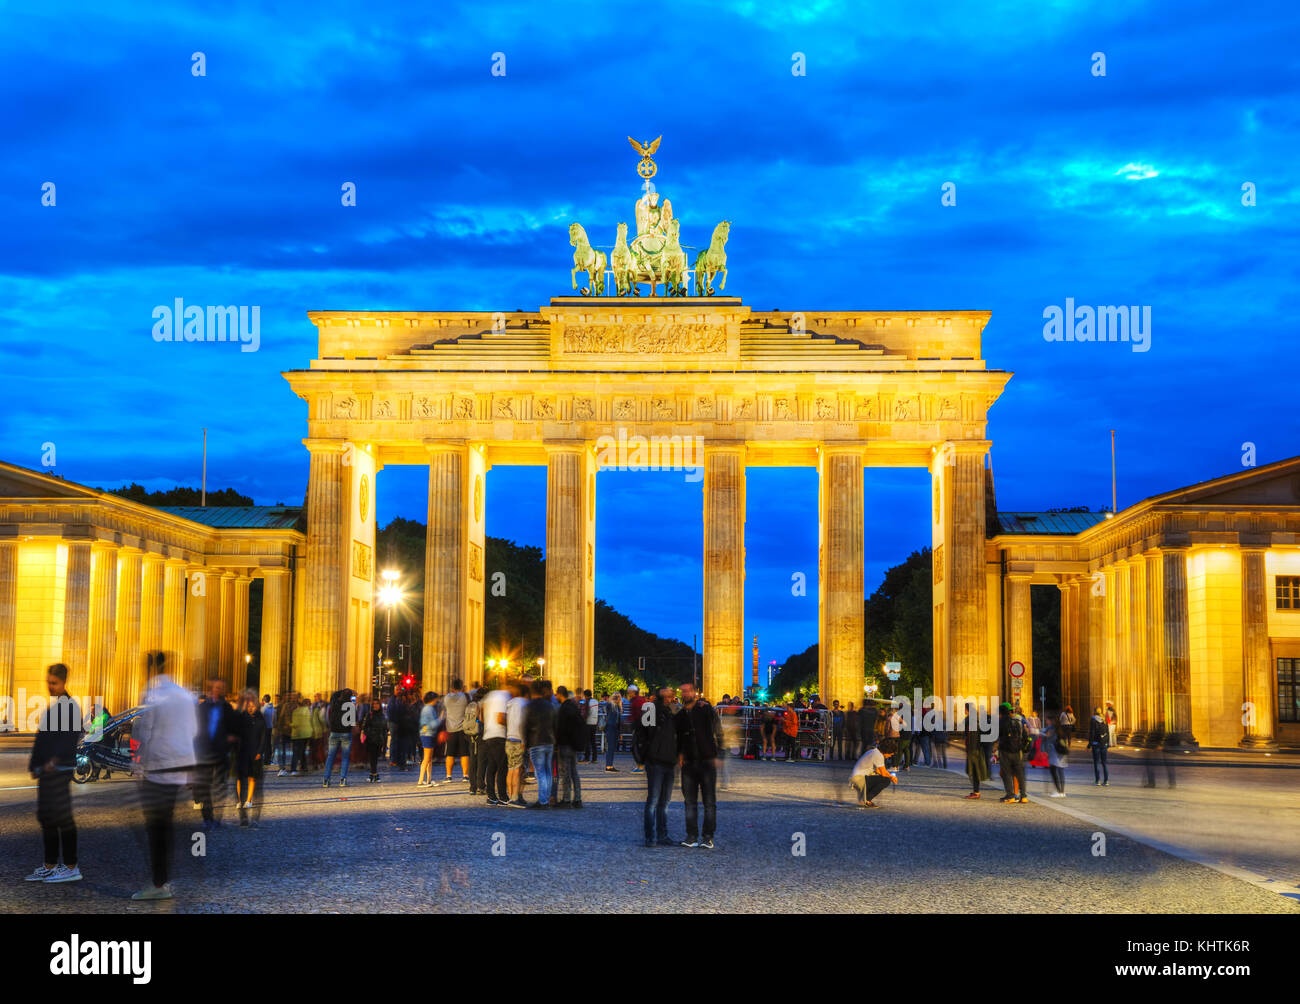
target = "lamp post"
x: 391, y: 595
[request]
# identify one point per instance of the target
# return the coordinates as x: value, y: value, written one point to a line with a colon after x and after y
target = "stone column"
x: 841, y: 649
x: 1020, y: 637
x: 76, y: 616
x: 239, y: 616
x: 1177, y: 646
x: 1079, y: 682
x: 570, y: 477
x: 153, y: 581
x: 122, y: 690
x: 1137, y: 643
x: 1256, y: 660
x: 1096, y: 689
x: 197, y: 620
x: 8, y: 621
x: 1155, y: 665
x: 724, y: 571
x: 175, y: 588
x: 1066, y: 643
x: 446, y: 565
x: 966, y: 610
x: 103, y: 619
x: 325, y: 606
x: 1120, y: 622
x: 275, y: 625
x: 226, y: 649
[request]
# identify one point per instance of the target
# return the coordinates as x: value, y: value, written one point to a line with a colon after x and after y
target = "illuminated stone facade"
x: 1182, y: 610
x: 94, y: 581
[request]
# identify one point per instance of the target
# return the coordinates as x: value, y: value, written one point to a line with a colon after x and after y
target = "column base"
x: 1138, y: 738
x: 1258, y: 743
x: 1181, y: 739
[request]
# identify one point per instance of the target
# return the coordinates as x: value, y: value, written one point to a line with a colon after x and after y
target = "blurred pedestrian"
x: 300, y: 733
x: 1054, y: 744
x: 515, y: 714
x: 1066, y: 726
x: 167, y: 732
x: 51, y: 765
x: 218, y: 732
x: 453, y: 709
x: 851, y: 741
x: 473, y: 729
x: 493, y: 716
x: 591, y: 713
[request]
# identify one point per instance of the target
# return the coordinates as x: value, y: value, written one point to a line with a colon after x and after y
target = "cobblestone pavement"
x: 1240, y: 816
x: 394, y: 847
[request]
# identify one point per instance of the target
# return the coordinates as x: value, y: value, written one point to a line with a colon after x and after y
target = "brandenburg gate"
x: 463, y: 391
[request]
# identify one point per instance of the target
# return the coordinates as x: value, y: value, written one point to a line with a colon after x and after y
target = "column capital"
x: 566, y: 446
x: 724, y: 446
x: 842, y: 449
x: 326, y: 445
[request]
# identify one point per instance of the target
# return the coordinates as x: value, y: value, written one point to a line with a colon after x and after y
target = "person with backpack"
x: 472, y: 731
x: 453, y: 710
x: 1012, y: 736
x: 1067, y: 722
x: 1099, y: 743
x: 342, y: 717
x: 374, y: 735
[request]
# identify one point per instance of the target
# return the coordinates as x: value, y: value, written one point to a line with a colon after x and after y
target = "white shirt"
x: 895, y: 724
x: 867, y: 763
x: 515, y: 718
x: 166, y: 732
x: 593, y: 711
x: 494, y: 704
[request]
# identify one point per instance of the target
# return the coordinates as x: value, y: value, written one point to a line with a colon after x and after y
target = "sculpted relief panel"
x: 666, y: 339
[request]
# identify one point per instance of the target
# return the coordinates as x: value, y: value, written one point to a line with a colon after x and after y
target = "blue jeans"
x: 541, y: 758
x: 336, y: 740
x: 611, y: 744
x: 658, y: 791
x: 1100, y: 769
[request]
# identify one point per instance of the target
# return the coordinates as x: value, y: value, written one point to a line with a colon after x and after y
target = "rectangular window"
x: 1288, y: 690
x: 1288, y: 592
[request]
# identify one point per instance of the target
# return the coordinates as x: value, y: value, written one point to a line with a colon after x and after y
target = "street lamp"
x: 390, y: 595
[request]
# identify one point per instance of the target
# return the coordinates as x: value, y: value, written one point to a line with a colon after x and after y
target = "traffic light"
x: 401, y: 651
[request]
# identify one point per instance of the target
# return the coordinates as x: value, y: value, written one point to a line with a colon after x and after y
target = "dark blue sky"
x: 225, y: 189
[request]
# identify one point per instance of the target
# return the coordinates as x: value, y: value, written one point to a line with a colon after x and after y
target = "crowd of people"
x: 500, y: 738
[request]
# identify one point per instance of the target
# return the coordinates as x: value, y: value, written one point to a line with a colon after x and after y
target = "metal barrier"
x: 742, y: 728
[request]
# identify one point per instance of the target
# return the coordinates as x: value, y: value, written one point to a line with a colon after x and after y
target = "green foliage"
x: 515, y: 611
x: 179, y: 496
x: 900, y: 626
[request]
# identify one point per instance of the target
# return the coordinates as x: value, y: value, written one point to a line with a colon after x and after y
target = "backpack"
x: 470, y: 728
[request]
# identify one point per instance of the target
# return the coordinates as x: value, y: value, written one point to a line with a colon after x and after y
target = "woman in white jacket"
x: 166, y: 731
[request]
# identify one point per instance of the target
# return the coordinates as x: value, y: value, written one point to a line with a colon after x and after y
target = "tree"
x: 179, y: 496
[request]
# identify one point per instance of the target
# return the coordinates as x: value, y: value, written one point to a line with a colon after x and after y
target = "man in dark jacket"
x: 54, y: 756
x: 699, y: 746
x: 218, y: 732
x: 539, y: 740
x: 570, y: 740
x: 1011, y: 760
x: 654, y: 737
